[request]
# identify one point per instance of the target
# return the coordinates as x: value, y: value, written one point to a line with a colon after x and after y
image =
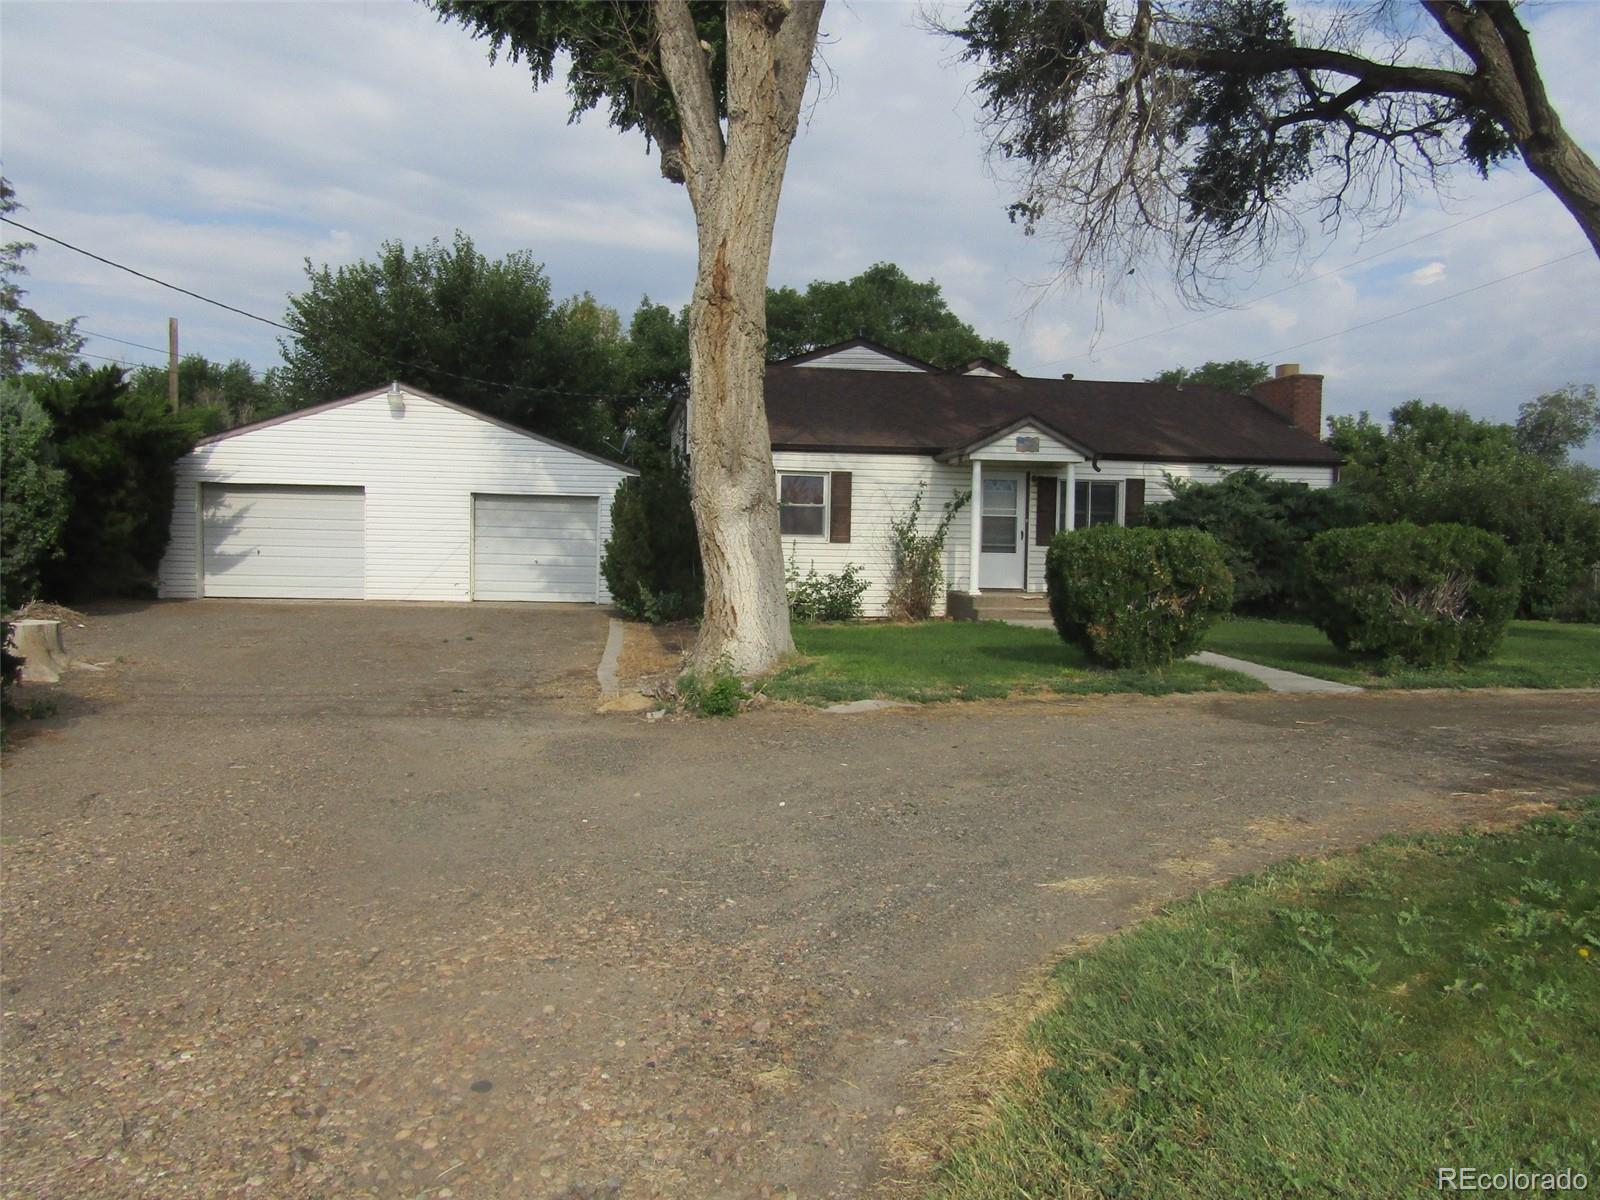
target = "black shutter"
x: 1045, y: 519
x: 839, y: 510
x: 1133, y: 502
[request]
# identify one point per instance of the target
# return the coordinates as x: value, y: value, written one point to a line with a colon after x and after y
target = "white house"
x: 856, y: 428
x: 392, y: 494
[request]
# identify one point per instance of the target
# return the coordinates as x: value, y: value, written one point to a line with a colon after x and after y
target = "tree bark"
x: 734, y: 184
x: 1508, y: 84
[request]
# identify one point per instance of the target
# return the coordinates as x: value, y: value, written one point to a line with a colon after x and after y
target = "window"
x: 999, y: 529
x: 1096, y: 503
x: 803, y: 505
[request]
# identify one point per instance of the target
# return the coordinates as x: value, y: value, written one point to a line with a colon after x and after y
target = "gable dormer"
x: 857, y: 354
x: 988, y: 367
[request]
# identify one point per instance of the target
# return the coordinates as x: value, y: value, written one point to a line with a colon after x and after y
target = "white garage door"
x: 271, y: 541
x: 535, y: 547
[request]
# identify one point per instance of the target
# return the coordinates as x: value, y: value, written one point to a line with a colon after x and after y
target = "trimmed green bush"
x: 1136, y: 597
x: 1427, y: 595
x: 652, y: 558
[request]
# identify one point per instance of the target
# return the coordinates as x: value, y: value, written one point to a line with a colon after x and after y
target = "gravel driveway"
x: 362, y: 900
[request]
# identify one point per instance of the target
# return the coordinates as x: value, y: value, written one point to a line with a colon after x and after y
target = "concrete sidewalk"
x: 1274, y: 677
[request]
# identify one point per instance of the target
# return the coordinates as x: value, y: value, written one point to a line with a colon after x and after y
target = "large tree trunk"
x: 734, y: 184
x: 746, y: 620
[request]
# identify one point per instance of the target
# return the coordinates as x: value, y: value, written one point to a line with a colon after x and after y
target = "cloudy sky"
x: 219, y: 146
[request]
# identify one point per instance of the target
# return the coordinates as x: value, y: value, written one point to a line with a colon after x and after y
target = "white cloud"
x: 221, y: 145
x: 1427, y: 275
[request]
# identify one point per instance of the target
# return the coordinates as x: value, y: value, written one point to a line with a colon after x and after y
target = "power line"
x: 1310, y: 278
x: 106, y: 337
x: 1429, y: 304
x: 118, y: 361
x: 494, y: 383
x: 151, y: 278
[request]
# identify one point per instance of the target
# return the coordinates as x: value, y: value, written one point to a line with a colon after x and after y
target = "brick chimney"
x: 1295, y: 397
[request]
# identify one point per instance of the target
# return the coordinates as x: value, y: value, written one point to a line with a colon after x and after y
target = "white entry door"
x: 1000, y: 559
x: 535, y: 548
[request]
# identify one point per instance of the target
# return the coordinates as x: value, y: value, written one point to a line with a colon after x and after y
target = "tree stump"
x: 38, y: 644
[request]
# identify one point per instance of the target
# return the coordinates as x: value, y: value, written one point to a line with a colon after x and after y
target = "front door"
x: 1000, y: 561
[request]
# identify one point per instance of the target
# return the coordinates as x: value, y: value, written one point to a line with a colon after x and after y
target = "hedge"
x: 1136, y: 597
x: 1427, y: 595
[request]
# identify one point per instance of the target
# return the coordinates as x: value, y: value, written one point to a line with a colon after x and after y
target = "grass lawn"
x: 964, y: 660
x: 1337, y: 1027
x: 1535, y: 654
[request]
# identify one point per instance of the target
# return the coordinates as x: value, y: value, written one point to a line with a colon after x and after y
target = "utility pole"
x: 172, y: 362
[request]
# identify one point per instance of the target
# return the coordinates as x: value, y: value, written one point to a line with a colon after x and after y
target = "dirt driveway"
x: 306, y: 901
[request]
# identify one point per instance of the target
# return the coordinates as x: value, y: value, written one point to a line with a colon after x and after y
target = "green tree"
x: 1205, y: 129
x: 1263, y: 525
x: 658, y: 345
x: 232, y: 389
x: 717, y: 89
x: 883, y: 304
x: 27, y: 340
x: 1435, y: 465
x: 1235, y: 375
x: 34, y: 502
x: 119, y: 453
x: 1555, y: 424
x: 447, y: 319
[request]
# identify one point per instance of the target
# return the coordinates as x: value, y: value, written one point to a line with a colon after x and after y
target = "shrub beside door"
x: 1136, y: 597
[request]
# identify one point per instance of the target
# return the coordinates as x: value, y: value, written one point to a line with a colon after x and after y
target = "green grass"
x: 964, y: 660
x: 1338, y: 1027
x: 1535, y: 654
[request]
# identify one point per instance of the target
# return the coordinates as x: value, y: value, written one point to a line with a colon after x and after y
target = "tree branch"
x: 1380, y: 77
x: 688, y: 74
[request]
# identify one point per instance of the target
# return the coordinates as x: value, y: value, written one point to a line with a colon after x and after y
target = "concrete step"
x: 998, y: 606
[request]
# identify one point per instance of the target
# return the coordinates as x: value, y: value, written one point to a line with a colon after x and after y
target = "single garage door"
x: 282, y: 541
x: 535, y: 547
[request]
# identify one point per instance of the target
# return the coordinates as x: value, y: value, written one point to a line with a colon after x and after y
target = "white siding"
x: 885, y: 484
x: 882, y: 485
x: 860, y: 358
x: 419, y: 467
x: 984, y: 371
x: 1050, y: 452
x: 1156, y: 491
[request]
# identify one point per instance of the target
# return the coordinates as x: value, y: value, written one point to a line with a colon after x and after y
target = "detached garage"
x: 392, y: 494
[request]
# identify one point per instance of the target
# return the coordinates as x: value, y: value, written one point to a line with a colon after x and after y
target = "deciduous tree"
x: 482, y: 332
x: 884, y: 304
x: 1206, y: 128
x: 27, y: 340
x: 717, y: 90
x: 231, y: 388
x: 1235, y: 375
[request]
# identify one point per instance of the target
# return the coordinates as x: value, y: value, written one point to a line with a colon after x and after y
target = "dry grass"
x: 958, y: 1097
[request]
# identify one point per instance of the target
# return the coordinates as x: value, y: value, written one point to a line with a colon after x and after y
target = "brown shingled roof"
x: 898, y: 412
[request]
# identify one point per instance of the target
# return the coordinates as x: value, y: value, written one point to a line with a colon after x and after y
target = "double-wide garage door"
x: 535, y: 547
x: 283, y: 541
